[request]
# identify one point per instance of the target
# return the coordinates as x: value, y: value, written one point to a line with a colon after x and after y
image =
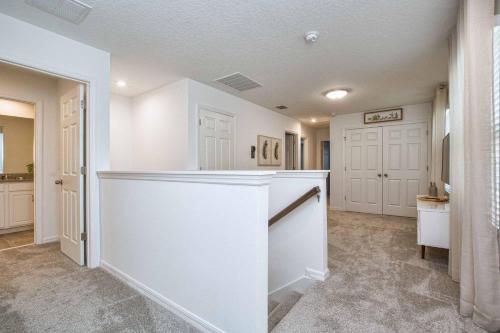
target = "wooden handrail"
x: 306, y: 196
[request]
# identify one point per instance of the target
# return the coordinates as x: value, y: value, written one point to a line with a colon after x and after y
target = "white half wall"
x: 338, y: 126
x: 298, y: 243
x: 196, y: 242
x: 34, y: 47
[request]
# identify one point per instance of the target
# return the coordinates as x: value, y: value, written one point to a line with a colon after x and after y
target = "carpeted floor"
x: 378, y: 283
x: 16, y: 239
x: 43, y: 291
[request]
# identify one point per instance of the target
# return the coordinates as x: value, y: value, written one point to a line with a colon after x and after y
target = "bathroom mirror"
x: 16, y: 144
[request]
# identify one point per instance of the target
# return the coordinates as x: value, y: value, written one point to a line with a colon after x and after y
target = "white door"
x: 216, y: 140
x: 72, y: 107
x: 363, y: 168
x: 405, y: 168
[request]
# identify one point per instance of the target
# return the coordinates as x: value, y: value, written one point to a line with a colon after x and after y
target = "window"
x: 495, y: 169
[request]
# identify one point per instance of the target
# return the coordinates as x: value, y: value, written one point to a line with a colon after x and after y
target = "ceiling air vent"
x: 73, y: 11
x: 238, y: 81
x: 281, y: 107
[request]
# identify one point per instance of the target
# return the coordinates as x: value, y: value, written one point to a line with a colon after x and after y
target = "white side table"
x: 433, y: 224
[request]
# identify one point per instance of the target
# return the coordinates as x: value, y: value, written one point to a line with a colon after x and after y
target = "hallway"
x: 378, y: 282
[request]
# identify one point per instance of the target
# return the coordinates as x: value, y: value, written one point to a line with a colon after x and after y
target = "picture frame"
x: 276, y: 152
x: 381, y: 116
x: 264, y: 148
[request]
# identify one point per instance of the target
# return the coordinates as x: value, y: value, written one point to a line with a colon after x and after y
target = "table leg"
x: 423, y: 251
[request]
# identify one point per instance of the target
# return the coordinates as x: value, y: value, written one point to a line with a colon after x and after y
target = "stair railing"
x: 315, y: 191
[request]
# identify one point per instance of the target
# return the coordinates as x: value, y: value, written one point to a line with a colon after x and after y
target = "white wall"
x: 251, y: 120
x: 165, y: 127
x: 35, y: 47
x: 121, y: 131
x: 338, y: 125
x: 298, y: 242
x: 196, y: 242
x: 160, y: 126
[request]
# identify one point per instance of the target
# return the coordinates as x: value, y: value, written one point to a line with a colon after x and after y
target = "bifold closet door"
x: 405, y: 168
x: 363, y: 185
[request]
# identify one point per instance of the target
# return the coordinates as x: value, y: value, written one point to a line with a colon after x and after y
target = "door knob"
x: 379, y: 175
x: 385, y: 175
x: 58, y: 182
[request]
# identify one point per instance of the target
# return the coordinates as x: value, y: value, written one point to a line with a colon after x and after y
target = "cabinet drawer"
x: 25, y: 186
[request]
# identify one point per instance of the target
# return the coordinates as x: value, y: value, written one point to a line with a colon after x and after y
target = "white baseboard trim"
x: 50, y: 239
x: 317, y: 275
x: 170, y: 305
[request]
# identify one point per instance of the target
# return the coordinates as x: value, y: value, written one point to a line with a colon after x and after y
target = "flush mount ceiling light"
x: 121, y: 83
x: 313, y: 120
x: 73, y: 11
x: 336, y: 93
x: 311, y: 37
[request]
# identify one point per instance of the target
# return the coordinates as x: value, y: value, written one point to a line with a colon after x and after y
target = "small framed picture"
x: 276, y: 152
x: 264, y: 150
x: 383, y: 116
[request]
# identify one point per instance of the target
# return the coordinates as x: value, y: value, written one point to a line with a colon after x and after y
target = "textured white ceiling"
x: 389, y: 52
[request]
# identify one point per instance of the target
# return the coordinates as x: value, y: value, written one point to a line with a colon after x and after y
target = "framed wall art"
x: 383, y: 116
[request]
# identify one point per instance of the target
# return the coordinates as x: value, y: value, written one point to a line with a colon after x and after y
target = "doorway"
x: 325, y: 162
x: 291, y: 151
x: 386, y: 168
x: 50, y: 195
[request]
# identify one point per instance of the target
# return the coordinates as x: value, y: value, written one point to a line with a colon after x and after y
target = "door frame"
x: 91, y: 216
x: 344, y: 155
x: 37, y: 159
x: 197, y: 124
x: 297, y: 148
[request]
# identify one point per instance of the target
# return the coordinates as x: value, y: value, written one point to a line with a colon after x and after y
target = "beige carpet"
x: 41, y: 290
x: 378, y: 283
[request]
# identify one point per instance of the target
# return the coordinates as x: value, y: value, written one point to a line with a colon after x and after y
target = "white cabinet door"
x: 405, y: 168
x: 21, y: 208
x: 363, y: 170
x: 216, y: 141
x: 3, y: 210
x: 72, y: 127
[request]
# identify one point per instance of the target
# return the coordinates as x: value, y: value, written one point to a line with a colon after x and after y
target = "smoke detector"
x: 73, y: 11
x: 311, y: 37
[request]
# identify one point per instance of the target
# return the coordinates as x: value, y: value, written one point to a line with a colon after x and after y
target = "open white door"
x: 72, y: 107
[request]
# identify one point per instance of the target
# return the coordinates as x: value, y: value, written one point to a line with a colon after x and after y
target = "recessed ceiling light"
x: 336, y: 93
x: 121, y: 83
x: 313, y: 120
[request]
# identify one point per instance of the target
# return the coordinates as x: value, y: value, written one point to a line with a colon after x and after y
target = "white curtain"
x: 474, y: 243
x: 456, y: 98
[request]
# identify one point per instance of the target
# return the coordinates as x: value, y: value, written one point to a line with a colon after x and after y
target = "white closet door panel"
x: 405, y: 167
x: 363, y: 183
x: 216, y: 140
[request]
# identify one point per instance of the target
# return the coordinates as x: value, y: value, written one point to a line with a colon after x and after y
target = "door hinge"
x: 83, y: 236
x: 199, y: 122
x: 83, y: 170
x: 345, y: 138
x: 427, y: 168
x: 83, y: 105
x: 345, y: 168
x: 427, y: 132
x: 345, y: 197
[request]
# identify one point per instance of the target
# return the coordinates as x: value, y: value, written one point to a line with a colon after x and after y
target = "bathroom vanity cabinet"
x: 16, y: 205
